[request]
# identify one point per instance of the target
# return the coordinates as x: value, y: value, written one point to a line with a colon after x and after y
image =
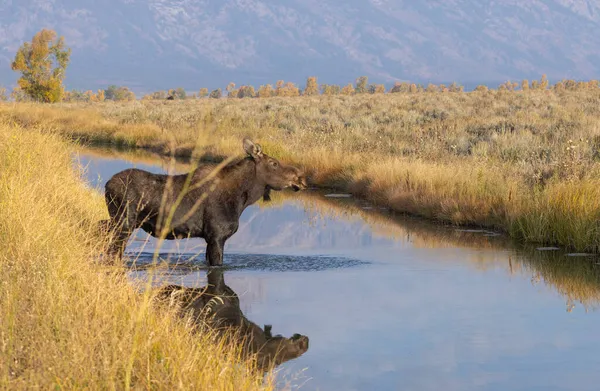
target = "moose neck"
x: 248, y: 188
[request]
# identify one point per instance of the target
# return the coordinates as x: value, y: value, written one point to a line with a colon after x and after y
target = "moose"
x: 205, y: 203
x: 218, y: 307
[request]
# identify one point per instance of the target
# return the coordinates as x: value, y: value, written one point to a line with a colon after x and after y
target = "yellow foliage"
x: 288, y: 89
x: 312, y: 87
x: 379, y: 89
x: 265, y: 91
x: 348, y: 89
x: 34, y: 60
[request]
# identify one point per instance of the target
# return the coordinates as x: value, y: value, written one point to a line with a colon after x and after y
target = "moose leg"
x: 216, y: 281
x: 122, y: 222
x: 118, y: 243
x: 214, y: 252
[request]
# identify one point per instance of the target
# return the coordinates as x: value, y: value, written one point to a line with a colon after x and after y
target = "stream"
x: 391, y: 302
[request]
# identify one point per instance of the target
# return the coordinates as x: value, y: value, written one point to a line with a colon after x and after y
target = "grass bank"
x: 525, y: 162
x: 67, y: 323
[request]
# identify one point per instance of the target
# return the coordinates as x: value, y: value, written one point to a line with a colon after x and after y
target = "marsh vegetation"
x: 525, y: 162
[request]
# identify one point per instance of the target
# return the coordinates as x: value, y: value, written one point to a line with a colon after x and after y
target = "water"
x: 393, y: 303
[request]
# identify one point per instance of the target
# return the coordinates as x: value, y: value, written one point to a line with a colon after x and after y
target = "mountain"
x: 159, y: 44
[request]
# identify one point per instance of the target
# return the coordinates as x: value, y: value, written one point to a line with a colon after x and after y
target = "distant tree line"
x: 113, y: 92
x: 43, y: 62
x: 362, y: 86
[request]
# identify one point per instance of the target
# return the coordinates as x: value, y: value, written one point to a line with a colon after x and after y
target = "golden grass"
x: 522, y: 162
x: 68, y: 323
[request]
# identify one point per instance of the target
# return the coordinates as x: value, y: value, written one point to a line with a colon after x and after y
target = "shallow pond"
x: 393, y: 303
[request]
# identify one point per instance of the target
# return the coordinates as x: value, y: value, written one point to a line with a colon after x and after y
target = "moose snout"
x: 301, y: 341
x: 299, y: 183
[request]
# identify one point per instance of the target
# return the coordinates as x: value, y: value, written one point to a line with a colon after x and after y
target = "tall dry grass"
x: 525, y: 162
x: 65, y: 321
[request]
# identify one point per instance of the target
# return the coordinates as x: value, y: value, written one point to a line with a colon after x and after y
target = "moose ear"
x: 267, y: 330
x: 252, y: 149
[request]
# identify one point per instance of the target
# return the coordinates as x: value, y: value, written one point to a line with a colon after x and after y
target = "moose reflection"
x: 218, y: 307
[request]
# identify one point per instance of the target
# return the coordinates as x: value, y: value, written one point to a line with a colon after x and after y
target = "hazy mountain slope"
x: 155, y: 44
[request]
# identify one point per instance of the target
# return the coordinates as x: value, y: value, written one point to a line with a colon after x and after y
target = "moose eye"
x: 274, y: 164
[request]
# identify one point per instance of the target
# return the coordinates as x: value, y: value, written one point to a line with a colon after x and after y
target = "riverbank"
x: 67, y: 322
x: 525, y: 163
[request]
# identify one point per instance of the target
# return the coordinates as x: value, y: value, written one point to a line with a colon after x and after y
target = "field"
x: 66, y: 322
x: 524, y: 162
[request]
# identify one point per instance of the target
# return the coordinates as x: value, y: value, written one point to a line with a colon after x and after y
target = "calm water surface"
x: 393, y: 303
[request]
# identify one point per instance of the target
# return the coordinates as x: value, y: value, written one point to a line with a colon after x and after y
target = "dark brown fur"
x: 218, y: 307
x: 209, y: 209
